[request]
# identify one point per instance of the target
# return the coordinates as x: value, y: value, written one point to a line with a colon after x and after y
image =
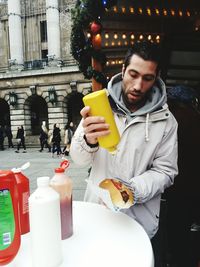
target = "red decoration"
x: 95, y: 27
x: 96, y: 41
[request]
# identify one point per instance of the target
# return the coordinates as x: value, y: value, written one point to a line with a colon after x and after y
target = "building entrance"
x: 4, y: 113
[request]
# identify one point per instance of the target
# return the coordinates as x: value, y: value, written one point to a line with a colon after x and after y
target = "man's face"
x: 138, y: 78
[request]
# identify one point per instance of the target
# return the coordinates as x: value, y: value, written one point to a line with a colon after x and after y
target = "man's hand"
x: 93, y: 126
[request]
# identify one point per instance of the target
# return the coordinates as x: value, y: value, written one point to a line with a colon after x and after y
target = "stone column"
x: 15, y: 32
x: 53, y: 29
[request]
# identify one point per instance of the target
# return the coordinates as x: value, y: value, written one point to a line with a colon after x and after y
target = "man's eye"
x: 148, y: 78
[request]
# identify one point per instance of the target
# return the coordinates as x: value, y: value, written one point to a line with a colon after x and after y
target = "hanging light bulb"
x: 188, y: 13
x: 131, y: 10
x: 115, y: 35
x: 115, y: 9
x: 123, y: 10
x: 123, y: 36
x: 141, y: 37
x: 172, y: 12
x: 113, y: 43
x: 157, y: 11
x: 132, y: 36
x: 149, y: 11
x: 149, y: 37
x: 180, y: 13
x: 165, y: 12
x: 106, y: 35
x: 119, y: 43
x: 140, y: 10
x: 158, y: 38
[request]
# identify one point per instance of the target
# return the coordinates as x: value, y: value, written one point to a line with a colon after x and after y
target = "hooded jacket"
x: 146, y: 157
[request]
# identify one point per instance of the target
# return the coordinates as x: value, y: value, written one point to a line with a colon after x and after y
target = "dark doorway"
x: 74, y: 106
x: 39, y: 113
x: 4, y: 113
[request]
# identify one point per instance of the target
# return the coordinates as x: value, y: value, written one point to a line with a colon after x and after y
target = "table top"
x: 102, y: 238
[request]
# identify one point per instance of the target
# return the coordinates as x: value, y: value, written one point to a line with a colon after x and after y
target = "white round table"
x: 101, y: 238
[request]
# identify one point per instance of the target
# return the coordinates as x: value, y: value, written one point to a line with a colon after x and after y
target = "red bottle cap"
x: 64, y: 164
x: 59, y: 170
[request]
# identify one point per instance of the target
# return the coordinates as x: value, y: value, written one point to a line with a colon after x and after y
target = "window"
x: 43, y: 31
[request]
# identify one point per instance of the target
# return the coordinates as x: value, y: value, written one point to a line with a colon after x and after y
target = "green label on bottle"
x: 7, y: 221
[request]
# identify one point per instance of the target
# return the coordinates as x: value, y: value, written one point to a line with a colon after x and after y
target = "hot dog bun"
x: 121, y: 195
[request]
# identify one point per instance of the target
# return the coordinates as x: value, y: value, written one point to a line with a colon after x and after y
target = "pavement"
x: 42, y: 164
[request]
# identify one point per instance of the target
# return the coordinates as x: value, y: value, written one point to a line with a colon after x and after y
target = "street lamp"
x: 52, y: 95
x: 12, y: 98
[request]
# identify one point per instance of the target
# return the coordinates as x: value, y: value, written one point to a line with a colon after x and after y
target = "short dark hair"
x: 146, y: 50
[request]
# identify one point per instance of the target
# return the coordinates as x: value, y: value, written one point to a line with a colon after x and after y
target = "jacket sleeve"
x: 162, y: 171
x: 80, y: 152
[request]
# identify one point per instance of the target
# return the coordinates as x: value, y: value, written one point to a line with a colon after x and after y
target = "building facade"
x: 39, y: 79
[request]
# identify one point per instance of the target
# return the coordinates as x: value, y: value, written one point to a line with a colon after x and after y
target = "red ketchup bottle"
x: 9, y: 218
x: 63, y: 185
x: 24, y: 193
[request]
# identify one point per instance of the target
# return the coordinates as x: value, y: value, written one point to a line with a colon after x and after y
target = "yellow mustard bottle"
x: 100, y: 106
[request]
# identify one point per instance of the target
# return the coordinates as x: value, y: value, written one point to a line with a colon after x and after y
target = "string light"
x: 123, y: 10
x: 141, y: 37
x: 149, y: 37
x: 88, y: 35
x: 140, y: 10
x: 188, y: 13
x: 132, y: 36
x: 180, y: 13
x: 131, y: 10
x: 172, y: 12
x: 123, y: 36
x: 115, y: 9
x: 115, y: 35
x: 149, y: 11
x: 106, y: 35
x: 164, y: 12
x: 157, y: 11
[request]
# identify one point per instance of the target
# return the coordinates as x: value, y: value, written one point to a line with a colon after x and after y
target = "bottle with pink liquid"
x: 63, y: 185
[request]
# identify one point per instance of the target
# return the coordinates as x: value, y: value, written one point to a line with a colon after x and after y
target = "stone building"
x: 40, y: 80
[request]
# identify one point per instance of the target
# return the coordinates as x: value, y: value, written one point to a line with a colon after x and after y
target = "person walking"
x: 69, y: 132
x: 56, y: 140
x: 44, y: 137
x: 9, y: 135
x: 20, y: 139
x: 146, y: 158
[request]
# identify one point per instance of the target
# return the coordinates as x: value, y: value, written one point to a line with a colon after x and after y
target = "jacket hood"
x: 155, y: 100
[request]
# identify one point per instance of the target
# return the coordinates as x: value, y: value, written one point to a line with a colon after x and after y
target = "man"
x: 146, y: 157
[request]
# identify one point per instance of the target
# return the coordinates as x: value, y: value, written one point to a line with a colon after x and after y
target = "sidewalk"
x: 42, y: 164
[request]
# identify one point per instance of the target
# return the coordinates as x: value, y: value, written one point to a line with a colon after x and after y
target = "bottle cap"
x: 112, y: 150
x: 59, y: 170
x: 43, y: 181
x: 64, y: 164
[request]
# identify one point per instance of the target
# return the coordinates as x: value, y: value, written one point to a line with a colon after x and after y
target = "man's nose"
x: 138, y: 83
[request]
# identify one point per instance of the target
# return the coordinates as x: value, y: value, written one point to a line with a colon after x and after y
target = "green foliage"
x: 85, y: 12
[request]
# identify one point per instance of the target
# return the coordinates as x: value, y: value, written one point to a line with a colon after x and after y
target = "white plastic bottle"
x: 45, y: 229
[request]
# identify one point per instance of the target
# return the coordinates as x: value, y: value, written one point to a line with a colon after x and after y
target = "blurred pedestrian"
x: 56, y: 140
x: 69, y: 132
x: 9, y: 135
x: 20, y: 139
x: 44, y: 137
